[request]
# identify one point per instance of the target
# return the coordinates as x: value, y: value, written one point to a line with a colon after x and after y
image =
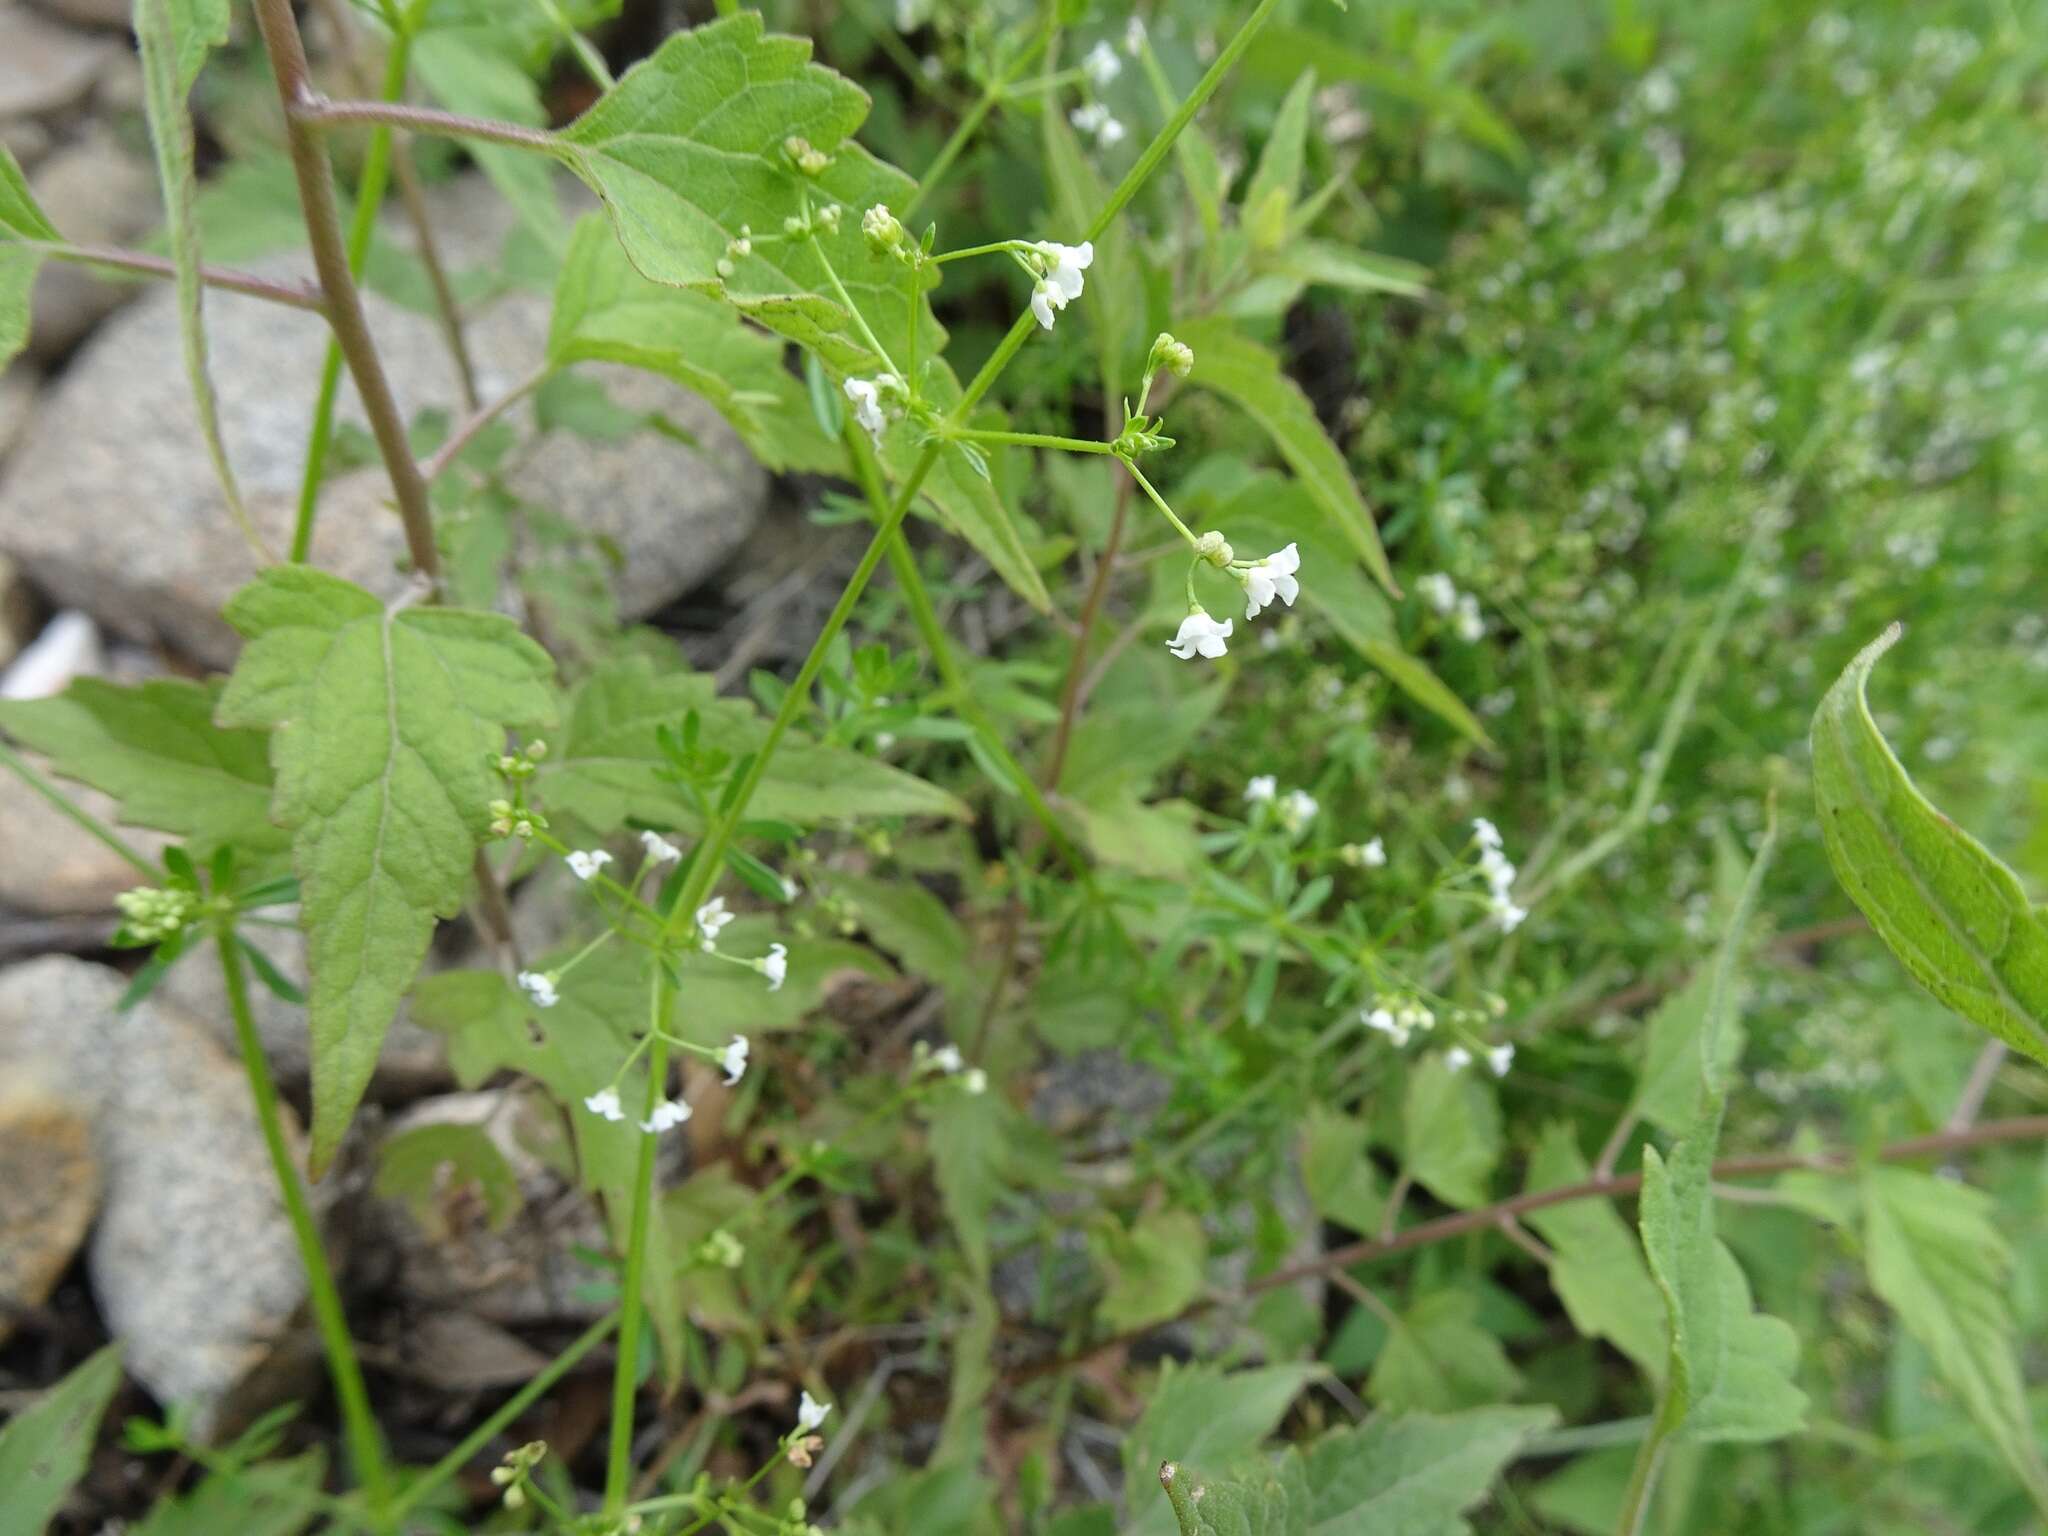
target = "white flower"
x: 1269, y: 578
x: 711, y: 917
x: 1097, y: 120
x: 1498, y: 872
x: 1457, y: 1058
x: 1047, y: 301
x: 539, y: 986
x: 1134, y: 36
x: 587, y: 864
x: 659, y: 848
x: 1394, y: 1029
x: 1261, y: 789
x: 775, y: 966
x: 734, y: 1061
x: 1102, y: 65
x: 1064, y: 264
x: 866, y: 396
x: 975, y: 1081
x: 1374, y: 854
x: 1199, y: 635
x: 1297, y: 809
x: 605, y: 1102
x: 1499, y: 1059
x: 1510, y: 915
x: 1469, y: 624
x: 1437, y: 591
x: 668, y: 1114
x: 1485, y: 833
x: 810, y: 1413
x: 1111, y: 133
x: 947, y: 1059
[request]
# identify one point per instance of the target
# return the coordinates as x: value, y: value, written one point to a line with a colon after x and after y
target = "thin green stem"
x: 477, y: 420
x: 626, y: 1373
x: 22, y: 769
x: 1032, y: 440
x: 363, y: 226
x: 1159, y: 501
x: 1642, y: 1478
x: 448, y: 1466
x: 994, y: 247
x: 971, y: 123
x: 359, y: 1424
x: 592, y: 61
x: 860, y: 321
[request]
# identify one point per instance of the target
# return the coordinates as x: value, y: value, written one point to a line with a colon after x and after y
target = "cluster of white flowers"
x: 1499, y: 875
x: 1498, y: 1059
x: 947, y: 1061
x: 1264, y: 581
x: 1372, y: 855
x: 875, y: 401
x: 1399, y: 1024
x: 539, y: 986
x: 584, y: 864
x: 1295, y: 809
x: 1099, y: 123
x: 1059, y: 268
x: 666, y: 1115
x: 659, y: 849
x: 1461, y: 608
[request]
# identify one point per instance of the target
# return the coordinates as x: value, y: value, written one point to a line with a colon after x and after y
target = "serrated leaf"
x: 1248, y: 375
x: 605, y: 311
x: 1270, y: 513
x: 1438, y: 1358
x: 1450, y: 1132
x: 44, y: 1447
x: 1343, y: 1184
x: 1260, y: 1501
x: 386, y: 722
x: 607, y: 766
x: 1956, y: 917
x: 1412, y: 1474
x: 1937, y: 1257
x: 1668, y: 1085
x: 1598, y: 1270
x: 156, y: 749
x: 173, y: 38
x: 472, y: 70
x: 1153, y: 1270
x: 1205, y: 1416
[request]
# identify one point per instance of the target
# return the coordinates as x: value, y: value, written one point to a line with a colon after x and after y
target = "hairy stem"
x: 294, y: 295
x: 359, y: 1424
x: 310, y: 108
x: 465, y: 434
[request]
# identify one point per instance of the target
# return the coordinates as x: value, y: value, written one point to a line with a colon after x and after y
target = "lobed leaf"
x: 1438, y: 1357
x: 1956, y: 917
x: 386, y: 723
x: 1412, y: 1474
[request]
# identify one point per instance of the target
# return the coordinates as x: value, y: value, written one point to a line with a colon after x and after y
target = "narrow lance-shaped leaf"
x: 44, y: 1448
x: 1955, y: 916
x: 174, y: 38
x: 20, y: 221
x: 386, y: 721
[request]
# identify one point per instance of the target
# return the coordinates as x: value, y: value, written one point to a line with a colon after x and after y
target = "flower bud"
x: 811, y: 161
x: 883, y: 229
x: 1176, y: 356
x: 1214, y: 548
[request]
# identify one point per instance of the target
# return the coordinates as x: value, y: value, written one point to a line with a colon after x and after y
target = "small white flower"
x: 1047, y: 301
x: 1510, y: 915
x: 1457, y: 1058
x: 539, y: 986
x: 1111, y: 133
x: 1134, y: 36
x: 1469, y: 624
x: 605, y: 1102
x: 1102, y: 65
x: 1498, y: 872
x: 1064, y: 264
x: 975, y: 1081
x: 810, y: 1413
x: 866, y: 396
x: 1485, y: 833
x: 1499, y: 1059
x: 587, y: 864
x: 775, y: 966
x: 1437, y: 591
x: 734, y: 1061
x: 1269, y: 578
x: 711, y: 917
x: 1099, y: 122
x: 1384, y: 1021
x: 659, y: 848
x: 1374, y: 854
x: 668, y: 1114
x: 1261, y: 789
x: 1297, y: 809
x: 947, y: 1059
x: 1199, y: 635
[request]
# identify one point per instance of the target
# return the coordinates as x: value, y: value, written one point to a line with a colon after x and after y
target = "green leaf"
x: 605, y: 311
x: 1342, y: 1183
x: 20, y: 219
x: 909, y: 922
x: 1412, y: 1474
x: 471, y: 70
x: 156, y: 750
x: 1342, y: 266
x: 1937, y: 1257
x: 1450, y: 1132
x: 387, y: 722
x: 1668, y: 1085
x: 1206, y: 1416
x: 968, y: 1156
x: 272, y: 1498
x: 174, y: 38
x: 1270, y: 513
x: 968, y: 504
x: 1153, y: 1270
x: 44, y: 1447
x: 1269, y: 197
x: 1955, y: 916
x: 1249, y: 376
x: 607, y: 766
x: 419, y: 1167
x: 1438, y: 1358
x: 1598, y: 1272
x: 1264, y: 1501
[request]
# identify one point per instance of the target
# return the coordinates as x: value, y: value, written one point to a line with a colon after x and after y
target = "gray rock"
x: 17, y: 404
x: 96, y: 193
x: 114, y: 15
x: 54, y: 867
x: 49, y: 1188
x: 192, y: 1262
x: 45, y: 67
x: 158, y: 563
x: 27, y: 140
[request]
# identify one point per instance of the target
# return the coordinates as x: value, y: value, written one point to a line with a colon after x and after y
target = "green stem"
x: 359, y: 1424
x: 22, y: 769
x: 1032, y: 440
x: 626, y: 1373
x: 971, y: 123
x: 1159, y: 501
x: 860, y: 321
x: 1642, y: 1478
x: 363, y: 226
x: 447, y: 1467
x: 994, y: 247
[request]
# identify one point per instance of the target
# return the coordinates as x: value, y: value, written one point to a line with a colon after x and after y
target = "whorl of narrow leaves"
x: 1955, y: 916
x: 386, y: 722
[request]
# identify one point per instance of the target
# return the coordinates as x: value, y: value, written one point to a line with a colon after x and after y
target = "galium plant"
x: 1324, y: 992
